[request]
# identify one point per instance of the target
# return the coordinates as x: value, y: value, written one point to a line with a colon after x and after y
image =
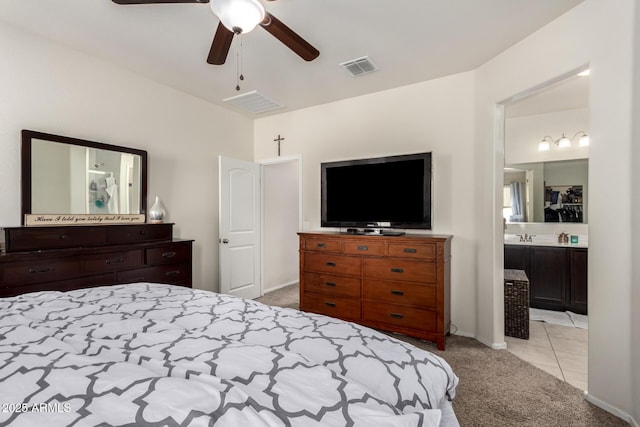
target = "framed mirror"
x: 64, y: 175
x: 553, y: 191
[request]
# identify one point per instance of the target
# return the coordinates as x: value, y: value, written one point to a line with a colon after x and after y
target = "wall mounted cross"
x: 279, y: 139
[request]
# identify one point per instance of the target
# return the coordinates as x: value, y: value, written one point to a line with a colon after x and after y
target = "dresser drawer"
x: 170, y: 274
x: 362, y: 248
x: 175, y: 253
x: 65, y: 285
x: 417, y: 251
x: 400, y: 269
x: 332, y: 285
x: 398, y: 315
x: 138, y: 233
x: 331, y: 305
x: 41, y: 270
x: 112, y: 261
x: 332, y: 264
x: 323, y: 245
x: 36, y: 238
x: 400, y: 293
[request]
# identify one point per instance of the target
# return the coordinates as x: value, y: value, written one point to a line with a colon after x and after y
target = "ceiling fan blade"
x: 289, y: 38
x: 220, y: 46
x: 158, y: 1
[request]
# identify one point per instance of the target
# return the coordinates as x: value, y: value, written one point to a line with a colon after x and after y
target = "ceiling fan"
x: 238, y: 17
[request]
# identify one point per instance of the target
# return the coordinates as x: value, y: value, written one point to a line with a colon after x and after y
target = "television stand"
x: 397, y: 284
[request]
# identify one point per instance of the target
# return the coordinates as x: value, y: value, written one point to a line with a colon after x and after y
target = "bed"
x: 151, y: 354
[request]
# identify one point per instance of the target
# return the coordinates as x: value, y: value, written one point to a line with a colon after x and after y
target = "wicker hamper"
x: 516, y: 304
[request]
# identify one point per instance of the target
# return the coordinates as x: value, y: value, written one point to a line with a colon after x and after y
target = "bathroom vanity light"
x: 563, y: 141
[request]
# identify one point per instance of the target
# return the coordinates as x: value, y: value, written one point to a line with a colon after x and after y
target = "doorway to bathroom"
x: 545, y: 212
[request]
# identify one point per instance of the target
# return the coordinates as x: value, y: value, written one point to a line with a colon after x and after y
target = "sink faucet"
x: 526, y: 237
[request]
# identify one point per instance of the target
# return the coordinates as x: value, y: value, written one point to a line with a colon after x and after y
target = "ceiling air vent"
x: 360, y: 66
x: 254, y: 102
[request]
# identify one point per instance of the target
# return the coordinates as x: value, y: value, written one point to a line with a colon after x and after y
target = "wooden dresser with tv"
x: 393, y: 283
x: 66, y: 257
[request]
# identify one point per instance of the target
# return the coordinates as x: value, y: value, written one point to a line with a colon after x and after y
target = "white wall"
x: 600, y: 34
x: 434, y: 116
x: 280, y: 182
x: 635, y: 227
x: 50, y: 88
x: 522, y: 135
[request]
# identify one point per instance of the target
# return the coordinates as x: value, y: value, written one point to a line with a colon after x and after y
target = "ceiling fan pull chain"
x: 239, y: 75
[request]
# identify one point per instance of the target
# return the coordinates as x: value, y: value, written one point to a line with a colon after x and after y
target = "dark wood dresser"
x: 67, y: 258
x: 394, y: 283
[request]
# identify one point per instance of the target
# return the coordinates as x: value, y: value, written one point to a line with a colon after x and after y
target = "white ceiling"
x: 409, y: 40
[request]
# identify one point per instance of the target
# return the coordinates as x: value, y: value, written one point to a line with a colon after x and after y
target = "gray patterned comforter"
x: 148, y: 354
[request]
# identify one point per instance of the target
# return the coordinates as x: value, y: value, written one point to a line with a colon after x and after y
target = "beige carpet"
x: 497, y: 388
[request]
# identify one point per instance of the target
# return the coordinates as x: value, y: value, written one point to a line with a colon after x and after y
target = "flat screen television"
x: 384, y: 192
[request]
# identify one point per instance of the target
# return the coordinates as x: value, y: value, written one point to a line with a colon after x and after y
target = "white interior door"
x: 239, y: 239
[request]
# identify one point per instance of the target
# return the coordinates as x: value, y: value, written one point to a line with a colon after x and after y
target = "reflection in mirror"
x: 64, y: 175
x: 547, y: 191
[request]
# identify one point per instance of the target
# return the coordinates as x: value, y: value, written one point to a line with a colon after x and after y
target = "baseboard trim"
x: 284, y: 285
x: 493, y: 345
x: 611, y: 409
x: 464, y: 334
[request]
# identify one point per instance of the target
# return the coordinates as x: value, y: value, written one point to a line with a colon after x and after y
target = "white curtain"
x: 517, y: 206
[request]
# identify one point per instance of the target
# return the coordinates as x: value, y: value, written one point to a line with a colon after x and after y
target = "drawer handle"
x: 410, y: 250
x: 143, y: 232
x: 397, y: 270
x: 397, y: 315
x: 169, y: 254
x: 399, y: 293
x: 114, y: 261
x: 363, y: 248
x: 172, y: 273
x: 41, y: 270
x: 508, y: 283
x: 333, y: 285
x: 63, y: 236
x: 330, y: 304
x: 331, y: 264
x: 321, y: 245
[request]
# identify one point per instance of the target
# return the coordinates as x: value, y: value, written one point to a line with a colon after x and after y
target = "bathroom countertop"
x: 546, y: 240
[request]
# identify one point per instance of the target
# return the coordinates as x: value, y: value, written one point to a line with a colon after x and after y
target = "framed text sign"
x: 43, y: 220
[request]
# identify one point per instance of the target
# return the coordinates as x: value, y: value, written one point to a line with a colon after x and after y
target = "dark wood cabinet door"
x: 548, y: 277
x: 516, y: 257
x: 578, y: 283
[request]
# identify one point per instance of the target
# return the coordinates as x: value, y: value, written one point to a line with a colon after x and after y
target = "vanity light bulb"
x: 564, y: 142
x: 543, y: 146
x: 584, y: 141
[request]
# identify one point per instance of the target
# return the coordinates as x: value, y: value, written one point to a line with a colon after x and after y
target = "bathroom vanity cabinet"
x: 557, y: 275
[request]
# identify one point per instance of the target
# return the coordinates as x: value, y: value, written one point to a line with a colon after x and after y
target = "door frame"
x: 265, y: 163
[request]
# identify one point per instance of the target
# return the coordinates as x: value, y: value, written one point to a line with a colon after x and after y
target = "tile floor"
x: 558, y: 350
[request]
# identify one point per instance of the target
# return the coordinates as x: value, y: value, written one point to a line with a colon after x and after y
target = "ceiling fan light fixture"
x: 239, y: 16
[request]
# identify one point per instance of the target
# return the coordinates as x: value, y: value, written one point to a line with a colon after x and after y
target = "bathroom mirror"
x: 64, y: 175
x: 554, y: 191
